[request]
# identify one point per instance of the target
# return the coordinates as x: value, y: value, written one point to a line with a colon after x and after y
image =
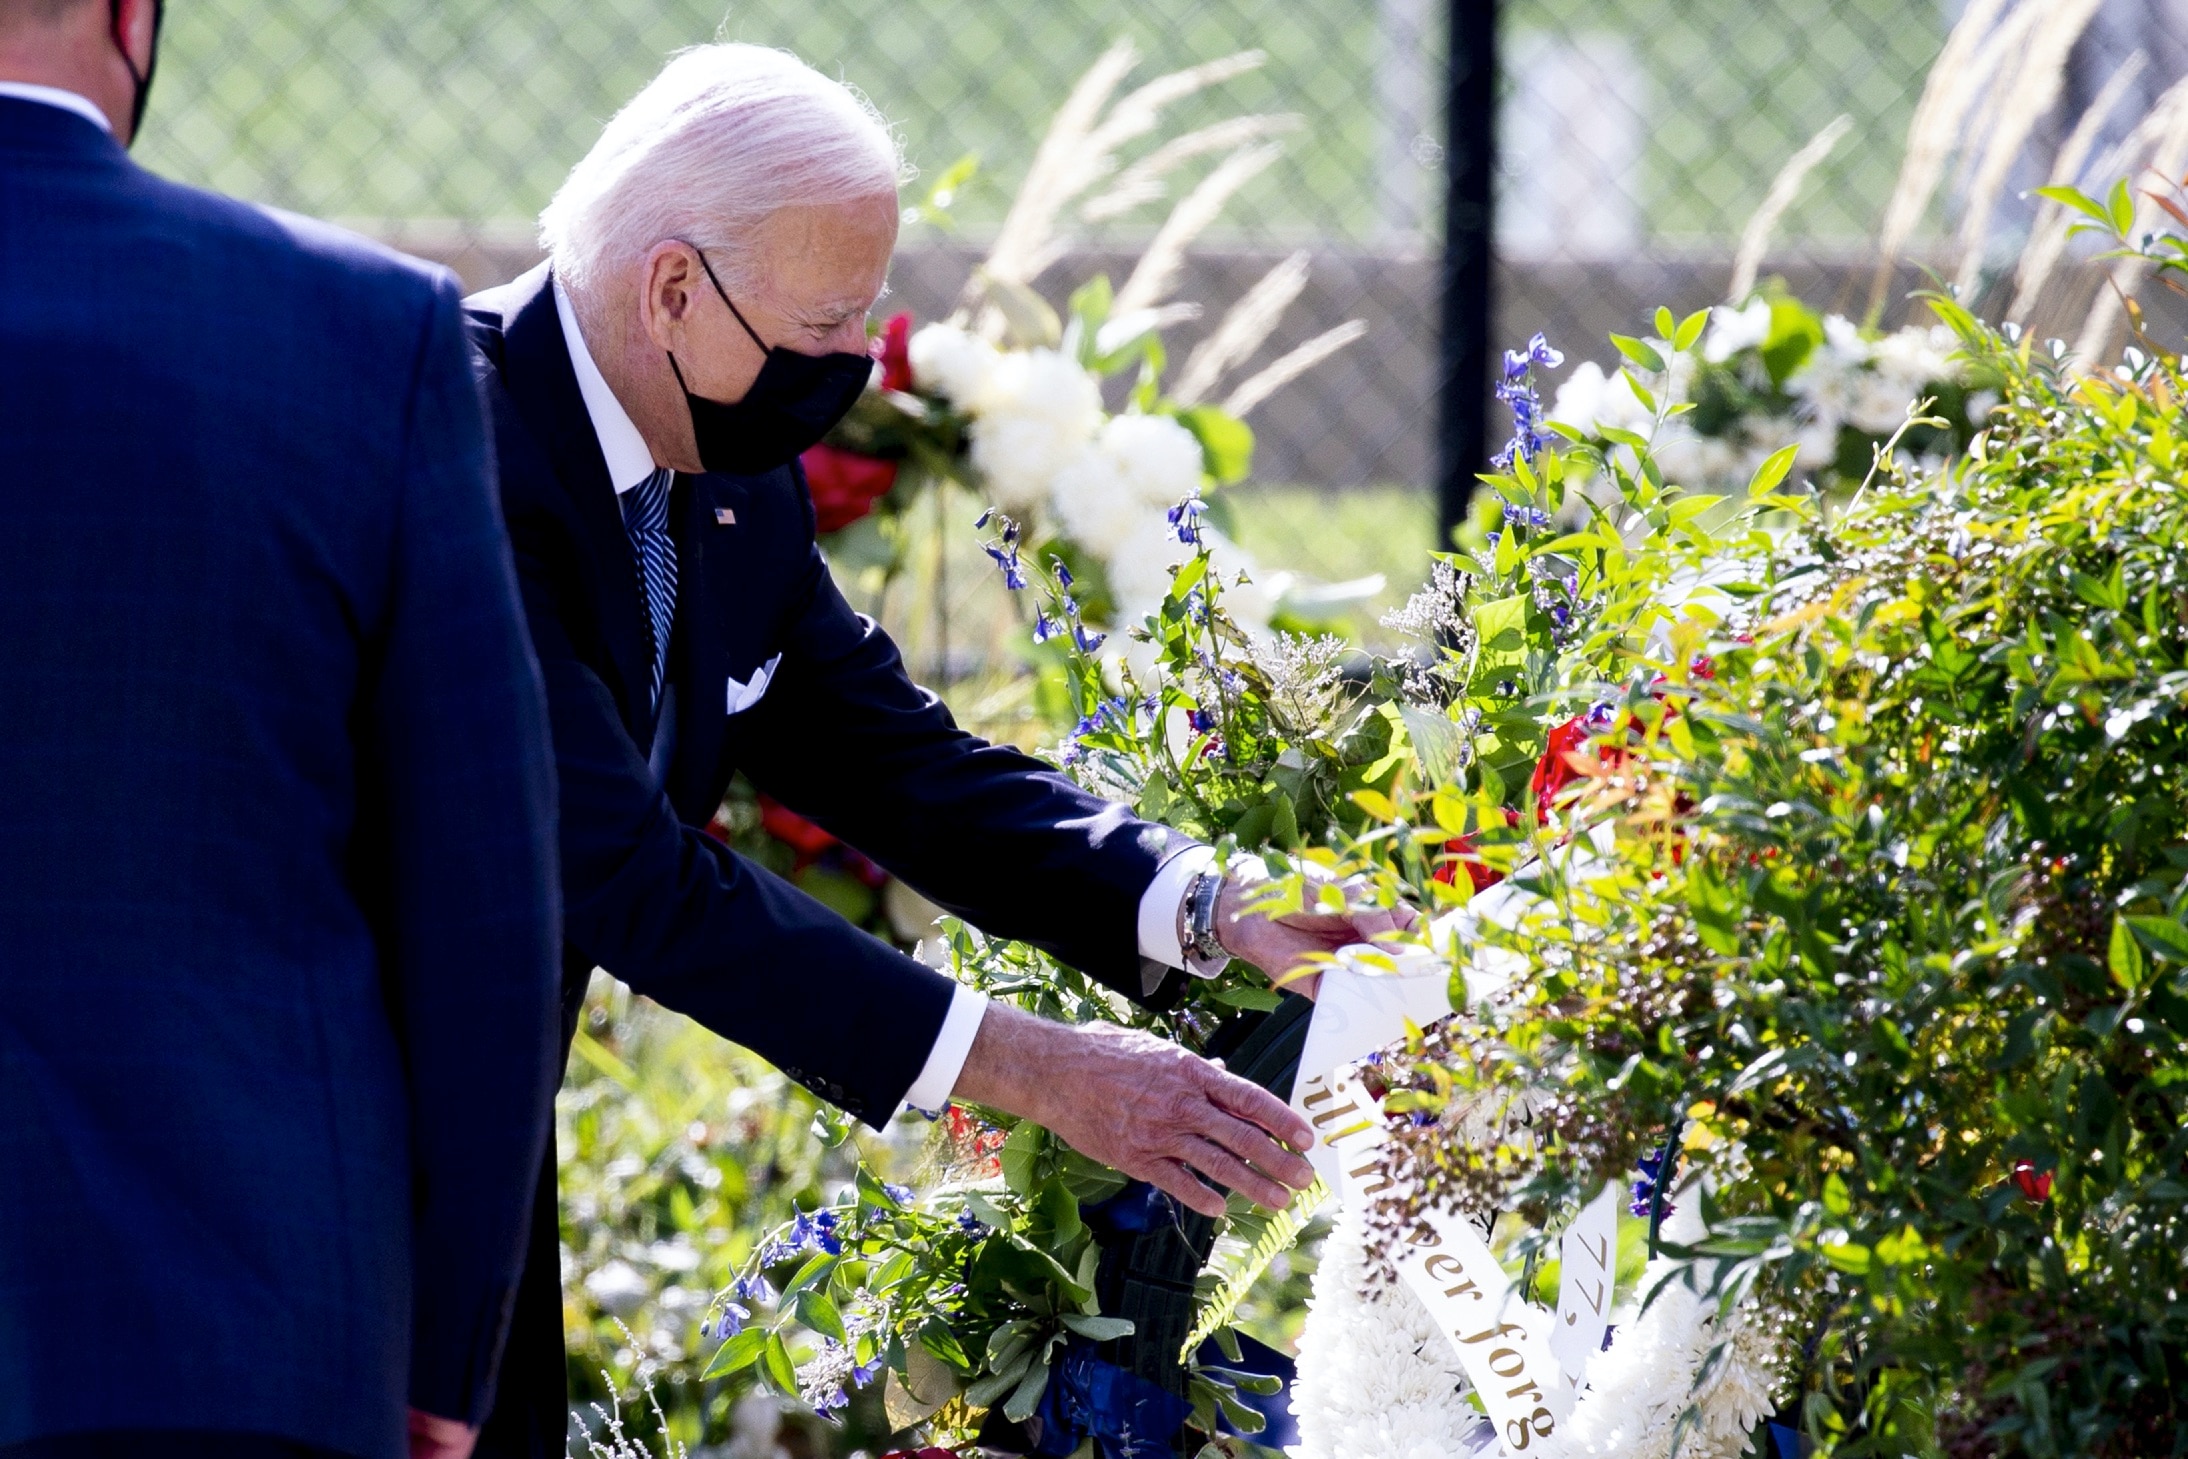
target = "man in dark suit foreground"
x: 277, y: 897
x: 700, y: 322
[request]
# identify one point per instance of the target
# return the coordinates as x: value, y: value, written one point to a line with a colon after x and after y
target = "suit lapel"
x: 543, y: 384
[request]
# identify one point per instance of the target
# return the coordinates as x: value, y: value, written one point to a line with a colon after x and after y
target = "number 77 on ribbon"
x: 1587, y: 1258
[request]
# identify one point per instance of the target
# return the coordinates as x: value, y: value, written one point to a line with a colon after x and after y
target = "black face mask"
x: 142, y: 79
x: 796, y: 400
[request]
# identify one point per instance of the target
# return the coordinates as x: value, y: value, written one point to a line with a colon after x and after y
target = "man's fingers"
x: 1226, y: 1169
x: 1252, y: 1144
x: 1176, y: 1181
x: 1255, y: 1105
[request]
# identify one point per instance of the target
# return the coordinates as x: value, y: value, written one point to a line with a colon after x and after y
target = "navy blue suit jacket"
x: 277, y: 898
x: 841, y: 735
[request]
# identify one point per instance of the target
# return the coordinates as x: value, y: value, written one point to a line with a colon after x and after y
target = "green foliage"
x: 1891, y: 926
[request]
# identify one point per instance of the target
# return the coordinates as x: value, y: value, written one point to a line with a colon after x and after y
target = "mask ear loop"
x: 142, y: 80
x: 733, y: 309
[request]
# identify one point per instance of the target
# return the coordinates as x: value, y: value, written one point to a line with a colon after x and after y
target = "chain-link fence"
x: 1636, y: 137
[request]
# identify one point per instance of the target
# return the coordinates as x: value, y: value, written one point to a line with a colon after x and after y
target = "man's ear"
x: 667, y: 289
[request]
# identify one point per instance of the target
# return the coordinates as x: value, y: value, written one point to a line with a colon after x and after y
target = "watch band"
x: 1204, y: 953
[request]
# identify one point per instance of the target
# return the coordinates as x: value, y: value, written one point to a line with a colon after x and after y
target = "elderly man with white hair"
x: 700, y: 321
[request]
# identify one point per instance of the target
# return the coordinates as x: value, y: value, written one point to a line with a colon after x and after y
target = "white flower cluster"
x: 1377, y: 1377
x: 1847, y: 380
x: 1378, y: 1380
x: 1048, y: 453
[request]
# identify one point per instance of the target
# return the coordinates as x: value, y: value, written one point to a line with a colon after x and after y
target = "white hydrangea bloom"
x: 1161, y: 460
x: 951, y: 362
x: 1733, y: 330
x: 1589, y: 400
x: 1034, y: 412
x: 1095, y: 505
x: 1135, y: 470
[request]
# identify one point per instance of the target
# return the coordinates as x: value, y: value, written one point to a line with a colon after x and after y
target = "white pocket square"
x: 743, y: 696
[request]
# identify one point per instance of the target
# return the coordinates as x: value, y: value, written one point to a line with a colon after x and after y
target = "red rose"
x: 893, y: 347
x: 793, y: 830
x: 1467, y: 852
x: 844, y: 485
x: 2034, y: 1184
x: 1567, y: 758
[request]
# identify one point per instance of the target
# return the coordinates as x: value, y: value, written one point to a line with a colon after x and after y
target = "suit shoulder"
x: 315, y: 255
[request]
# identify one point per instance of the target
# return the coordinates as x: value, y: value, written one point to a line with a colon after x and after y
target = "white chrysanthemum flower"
x: 1733, y: 330
x: 952, y: 362
x: 1033, y: 413
x: 1377, y: 1378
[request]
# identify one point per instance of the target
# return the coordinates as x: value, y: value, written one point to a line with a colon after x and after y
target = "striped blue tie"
x: 646, y: 519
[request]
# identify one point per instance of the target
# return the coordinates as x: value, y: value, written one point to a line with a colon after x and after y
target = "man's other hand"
x: 1283, y: 944
x: 434, y: 1437
x: 1143, y: 1106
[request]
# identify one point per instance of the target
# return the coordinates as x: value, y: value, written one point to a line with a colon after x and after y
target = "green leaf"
x: 1666, y: 327
x: 2124, y: 957
x: 1027, y: 1397
x: 1640, y: 352
x: 779, y: 1369
x: 2077, y: 200
x: 2121, y: 207
x: 814, y: 1271
x: 816, y: 1311
x: 1836, y: 1200
x: 1501, y: 645
x: 2161, y: 935
x: 738, y: 1354
x: 1020, y: 1150
x: 1226, y: 442
x: 1259, y: 1000
x: 1100, y: 1329
x: 1690, y: 330
x: 1772, y: 471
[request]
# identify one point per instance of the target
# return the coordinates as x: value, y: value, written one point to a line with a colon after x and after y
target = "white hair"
x: 721, y: 139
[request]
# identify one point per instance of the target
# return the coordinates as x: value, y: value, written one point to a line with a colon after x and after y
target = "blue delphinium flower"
x: 1517, y: 390
x: 970, y: 1224
x: 901, y: 1194
x: 865, y: 1373
x: 1200, y: 720
x: 732, y: 1323
x: 1006, y: 558
x: 1089, y: 643
x: 1657, y: 1166
x: 1063, y: 575
x: 1185, y: 520
x: 1519, y: 516
x: 754, y: 1288
x: 1044, y: 628
x: 987, y: 515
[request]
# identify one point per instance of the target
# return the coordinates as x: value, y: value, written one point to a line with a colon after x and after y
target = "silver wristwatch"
x: 1204, y: 954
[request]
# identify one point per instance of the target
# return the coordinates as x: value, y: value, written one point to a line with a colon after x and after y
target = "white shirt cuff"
x: 946, y: 1060
x: 1160, y: 902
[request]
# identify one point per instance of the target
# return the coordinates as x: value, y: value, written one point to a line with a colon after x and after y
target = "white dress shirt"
x: 630, y: 461
x: 83, y: 106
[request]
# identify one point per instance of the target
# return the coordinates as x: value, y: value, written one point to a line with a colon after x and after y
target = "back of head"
x: 723, y: 137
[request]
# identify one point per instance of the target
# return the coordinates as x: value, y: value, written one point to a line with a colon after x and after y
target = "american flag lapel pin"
x: 724, y: 517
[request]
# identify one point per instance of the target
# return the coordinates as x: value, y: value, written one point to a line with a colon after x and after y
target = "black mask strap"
x: 143, y: 79
x: 695, y: 248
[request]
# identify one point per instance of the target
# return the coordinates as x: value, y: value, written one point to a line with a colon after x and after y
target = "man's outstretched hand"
x: 1141, y: 1105
x: 1283, y: 945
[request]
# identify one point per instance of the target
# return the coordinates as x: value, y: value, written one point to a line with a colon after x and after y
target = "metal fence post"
x: 1464, y: 354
